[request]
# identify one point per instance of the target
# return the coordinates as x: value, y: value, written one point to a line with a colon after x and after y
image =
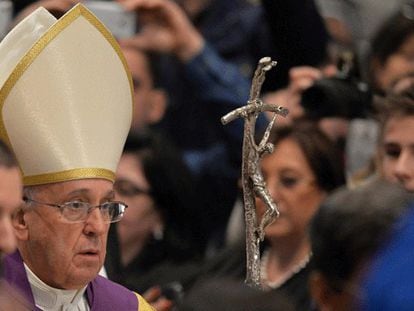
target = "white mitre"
x: 65, y: 97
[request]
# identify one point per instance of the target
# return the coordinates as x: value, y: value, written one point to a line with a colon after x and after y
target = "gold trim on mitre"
x: 62, y: 167
x: 80, y: 173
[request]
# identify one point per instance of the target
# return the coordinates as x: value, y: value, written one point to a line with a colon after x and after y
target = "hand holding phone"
x: 165, y: 28
x: 120, y: 22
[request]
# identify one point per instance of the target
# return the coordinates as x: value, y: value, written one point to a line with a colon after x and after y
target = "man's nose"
x: 95, y: 222
x: 402, y: 167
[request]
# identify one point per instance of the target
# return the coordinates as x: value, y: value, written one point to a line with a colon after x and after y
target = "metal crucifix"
x: 252, y: 178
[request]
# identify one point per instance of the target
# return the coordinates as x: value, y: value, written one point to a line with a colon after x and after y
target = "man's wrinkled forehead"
x: 87, y: 188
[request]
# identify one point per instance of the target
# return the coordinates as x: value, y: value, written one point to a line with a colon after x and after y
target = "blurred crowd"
x: 341, y: 173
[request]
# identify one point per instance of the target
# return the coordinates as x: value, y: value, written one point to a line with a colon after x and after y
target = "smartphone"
x: 120, y: 22
x: 6, y: 12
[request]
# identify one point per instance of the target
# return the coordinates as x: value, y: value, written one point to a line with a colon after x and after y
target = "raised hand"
x: 164, y: 28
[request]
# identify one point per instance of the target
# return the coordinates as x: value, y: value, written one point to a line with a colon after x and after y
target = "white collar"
x: 53, y: 299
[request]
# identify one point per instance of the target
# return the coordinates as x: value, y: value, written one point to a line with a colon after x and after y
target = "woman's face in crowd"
x: 141, y: 218
x: 292, y: 184
x: 398, y: 151
x: 397, y: 65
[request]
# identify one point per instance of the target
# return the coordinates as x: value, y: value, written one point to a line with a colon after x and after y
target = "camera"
x: 120, y: 22
x: 6, y: 12
x: 343, y: 95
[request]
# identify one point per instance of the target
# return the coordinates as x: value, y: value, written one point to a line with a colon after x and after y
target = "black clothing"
x: 232, y: 263
x: 154, y: 266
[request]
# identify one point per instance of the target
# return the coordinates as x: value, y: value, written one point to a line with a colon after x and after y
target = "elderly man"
x: 66, y: 107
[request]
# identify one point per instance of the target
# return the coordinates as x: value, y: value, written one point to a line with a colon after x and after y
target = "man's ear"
x: 19, y: 224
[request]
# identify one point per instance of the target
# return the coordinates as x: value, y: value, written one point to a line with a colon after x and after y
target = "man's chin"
x: 80, y: 280
x: 83, y: 273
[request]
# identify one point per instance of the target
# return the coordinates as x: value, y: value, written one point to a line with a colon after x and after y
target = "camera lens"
x: 336, y: 97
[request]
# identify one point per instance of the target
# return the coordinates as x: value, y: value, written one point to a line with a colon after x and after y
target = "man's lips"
x: 89, y: 252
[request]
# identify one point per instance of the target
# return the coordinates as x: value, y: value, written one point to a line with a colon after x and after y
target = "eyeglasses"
x: 77, y: 211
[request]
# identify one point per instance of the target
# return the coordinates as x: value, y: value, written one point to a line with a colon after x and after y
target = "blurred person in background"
x: 304, y: 167
x: 388, y: 283
x: 150, y: 100
x: 396, y: 115
x: 392, y: 50
x: 345, y: 233
x: 157, y: 243
x: 353, y: 23
x: 389, y: 280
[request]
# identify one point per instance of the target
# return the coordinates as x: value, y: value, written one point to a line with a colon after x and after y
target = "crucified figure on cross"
x: 253, y: 182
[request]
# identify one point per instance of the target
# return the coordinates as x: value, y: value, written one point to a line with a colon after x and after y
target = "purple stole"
x: 102, y: 293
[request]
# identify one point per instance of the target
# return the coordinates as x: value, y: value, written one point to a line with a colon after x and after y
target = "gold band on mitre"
x: 66, y: 107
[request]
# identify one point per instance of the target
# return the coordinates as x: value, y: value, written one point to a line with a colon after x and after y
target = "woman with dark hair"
x: 392, y: 50
x: 157, y: 241
x: 304, y: 167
